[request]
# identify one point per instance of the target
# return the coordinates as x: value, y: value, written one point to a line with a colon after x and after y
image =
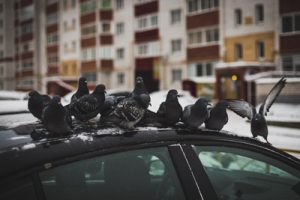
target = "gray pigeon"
x: 258, y: 121
x: 37, y: 102
x: 111, y: 101
x: 217, y: 116
x: 170, y: 111
x: 55, y: 117
x: 194, y: 115
x: 130, y: 110
x: 82, y: 89
x: 89, y: 106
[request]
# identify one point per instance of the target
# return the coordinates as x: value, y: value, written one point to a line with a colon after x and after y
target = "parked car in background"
x: 145, y: 163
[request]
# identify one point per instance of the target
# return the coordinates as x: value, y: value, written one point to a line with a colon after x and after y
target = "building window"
x: 260, y: 46
x: 259, y: 13
x: 238, y: 48
x: 119, y: 4
x: 1, y: 7
x: 195, y: 37
x: 148, y: 49
x: 52, y: 19
x: 106, y: 4
x: 52, y: 38
x: 238, y: 16
x: 90, y: 76
x: 176, y: 75
x: 120, y: 53
x: 26, y: 28
x: 88, y: 54
x: 73, y: 3
x: 203, y: 36
x: 1, y: 39
x: 212, y: 35
x: 65, y: 25
x: 291, y: 63
x: 1, y: 54
x: 201, y: 69
x: 290, y: 23
x: 176, y: 45
x: 120, y: 28
x: 120, y: 78
x: 175, y: 16
x: 105, y: 27
x: 88, y: 6
x: 73, y: 24
x: 1, y: 23
x: 106, y: 52
x: 88, y: 30
x: 26, y: 13
x: 201, y: 5
x: 28, y: 46
x: 52, y: 59
x: 27, y: 64
x: 145, y: 22
x: 143, y: 49
x: 73, y: 46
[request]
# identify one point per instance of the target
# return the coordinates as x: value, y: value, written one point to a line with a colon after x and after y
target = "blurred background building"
x: 214, y: 48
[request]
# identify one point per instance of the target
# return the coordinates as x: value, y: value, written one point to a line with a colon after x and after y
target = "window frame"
x: 293, y: 30
x: 259, y: 8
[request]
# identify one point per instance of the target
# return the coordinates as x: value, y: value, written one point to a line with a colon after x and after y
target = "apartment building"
x: 6, y: 49
x: 29, y: 43
x: 249, y: 46
x: 289, y: 35
x: 206, y: 46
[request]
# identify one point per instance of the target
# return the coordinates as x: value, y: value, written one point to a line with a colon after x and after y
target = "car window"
x: 138, y: 174
x: 18, y: 190
x: 242, y: 174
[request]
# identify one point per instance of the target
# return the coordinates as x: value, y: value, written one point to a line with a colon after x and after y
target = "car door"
x: 245, y: 171
x: 159, y: 173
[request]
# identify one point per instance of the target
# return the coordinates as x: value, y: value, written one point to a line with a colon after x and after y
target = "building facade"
x: 206, y: 46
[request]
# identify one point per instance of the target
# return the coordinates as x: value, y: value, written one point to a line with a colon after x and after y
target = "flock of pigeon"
x: 129, y: 109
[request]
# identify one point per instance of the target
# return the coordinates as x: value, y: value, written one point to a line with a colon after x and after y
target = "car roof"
x: 19, y: 152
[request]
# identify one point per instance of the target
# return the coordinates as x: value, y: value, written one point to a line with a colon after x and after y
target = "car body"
x: 144, y: 163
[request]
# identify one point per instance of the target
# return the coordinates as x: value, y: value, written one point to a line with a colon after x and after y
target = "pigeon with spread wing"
x: 258, y: 121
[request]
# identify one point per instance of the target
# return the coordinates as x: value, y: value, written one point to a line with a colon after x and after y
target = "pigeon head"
x: 139, y: 80
x: 202, y: 102
x: 100, y: 89
x: 33, y: 93
x: 258, y: 117
x: 55, y: 100
x: 82, y: 82
x: 223, y: 104
x: 172, y: 95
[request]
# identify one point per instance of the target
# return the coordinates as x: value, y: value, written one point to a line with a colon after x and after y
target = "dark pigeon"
x: 130, y: 110
x: 55, y: 117
x: 170, y: 111
x: 258, y: 121
x: 217, y: 116
x: 194, y: 115
x: 82, y: 89
x: 89, y: 106
x: 111, y: 101
x: 36, y: 103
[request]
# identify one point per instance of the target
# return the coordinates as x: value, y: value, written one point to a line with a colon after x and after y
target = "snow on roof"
x: 205, y: 79
x: 244, y: 64
x: 12, y: 95
x: 275, y: 80
x: 16, y: 106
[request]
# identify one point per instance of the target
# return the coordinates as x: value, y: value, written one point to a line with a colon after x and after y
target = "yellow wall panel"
x: 69, y: 68
x: 249, y: 43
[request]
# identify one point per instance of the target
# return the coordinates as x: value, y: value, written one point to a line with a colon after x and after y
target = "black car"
x: 146, y: 163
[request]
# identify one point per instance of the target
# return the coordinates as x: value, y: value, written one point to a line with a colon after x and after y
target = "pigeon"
x: 258, y: 121
x: 170, y: 111
x: 131, y: 109
x: 111, y: 101
x: 194, y: 115
x: 55, y: 117
x: 36, y: 103
x: 89, y: 105
x: 82, y: 89
x: 217, y: 116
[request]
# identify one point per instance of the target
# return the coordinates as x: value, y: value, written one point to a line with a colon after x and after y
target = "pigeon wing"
x: 241, y: 107
x: 271, y: 97
x: 162, y: 109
